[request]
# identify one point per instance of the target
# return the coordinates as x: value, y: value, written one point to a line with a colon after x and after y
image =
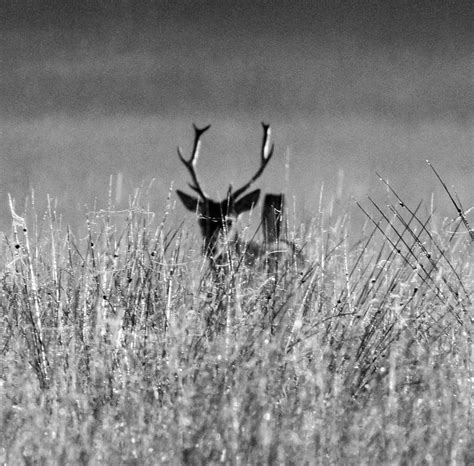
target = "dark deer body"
x: 272, y: 218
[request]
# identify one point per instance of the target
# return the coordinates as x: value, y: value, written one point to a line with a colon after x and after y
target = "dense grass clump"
x: 121, y: 346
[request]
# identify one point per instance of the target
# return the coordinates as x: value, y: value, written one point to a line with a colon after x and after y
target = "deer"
x: 217, y: 219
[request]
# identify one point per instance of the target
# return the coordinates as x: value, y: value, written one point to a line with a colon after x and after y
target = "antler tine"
x: 191, y: 163
x: 265, y: 156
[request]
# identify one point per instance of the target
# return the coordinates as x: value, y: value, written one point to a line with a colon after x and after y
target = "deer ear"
x: 247, y: 202
x: 190, y: 202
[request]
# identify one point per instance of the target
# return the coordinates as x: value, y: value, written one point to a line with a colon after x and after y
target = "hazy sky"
x: 89, y: 89
x: 402, y: 59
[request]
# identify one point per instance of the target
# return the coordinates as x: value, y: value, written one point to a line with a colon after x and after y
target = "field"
x: 118, y: 345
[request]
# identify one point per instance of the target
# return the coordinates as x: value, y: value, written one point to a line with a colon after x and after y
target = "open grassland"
x: 119, y: 346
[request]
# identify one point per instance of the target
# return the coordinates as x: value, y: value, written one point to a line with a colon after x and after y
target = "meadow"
x: 118, y: 345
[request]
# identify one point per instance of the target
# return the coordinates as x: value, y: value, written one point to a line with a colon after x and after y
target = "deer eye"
x: 209, y: 219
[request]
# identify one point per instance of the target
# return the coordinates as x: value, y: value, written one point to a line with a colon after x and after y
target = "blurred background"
x: 94, y: 89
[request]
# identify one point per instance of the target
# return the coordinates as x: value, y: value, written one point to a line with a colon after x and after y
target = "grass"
x: 119, y: 346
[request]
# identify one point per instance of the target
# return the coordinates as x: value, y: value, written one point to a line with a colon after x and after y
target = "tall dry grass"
x: 119, y: 346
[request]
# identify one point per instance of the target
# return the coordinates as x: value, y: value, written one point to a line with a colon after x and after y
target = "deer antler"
x: 191, y: 163
x: 265, y: 156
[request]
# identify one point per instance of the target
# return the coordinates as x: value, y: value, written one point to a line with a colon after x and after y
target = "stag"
x: 217, y: 218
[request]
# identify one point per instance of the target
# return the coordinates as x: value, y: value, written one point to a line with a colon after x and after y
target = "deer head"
x: 216, y: 218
